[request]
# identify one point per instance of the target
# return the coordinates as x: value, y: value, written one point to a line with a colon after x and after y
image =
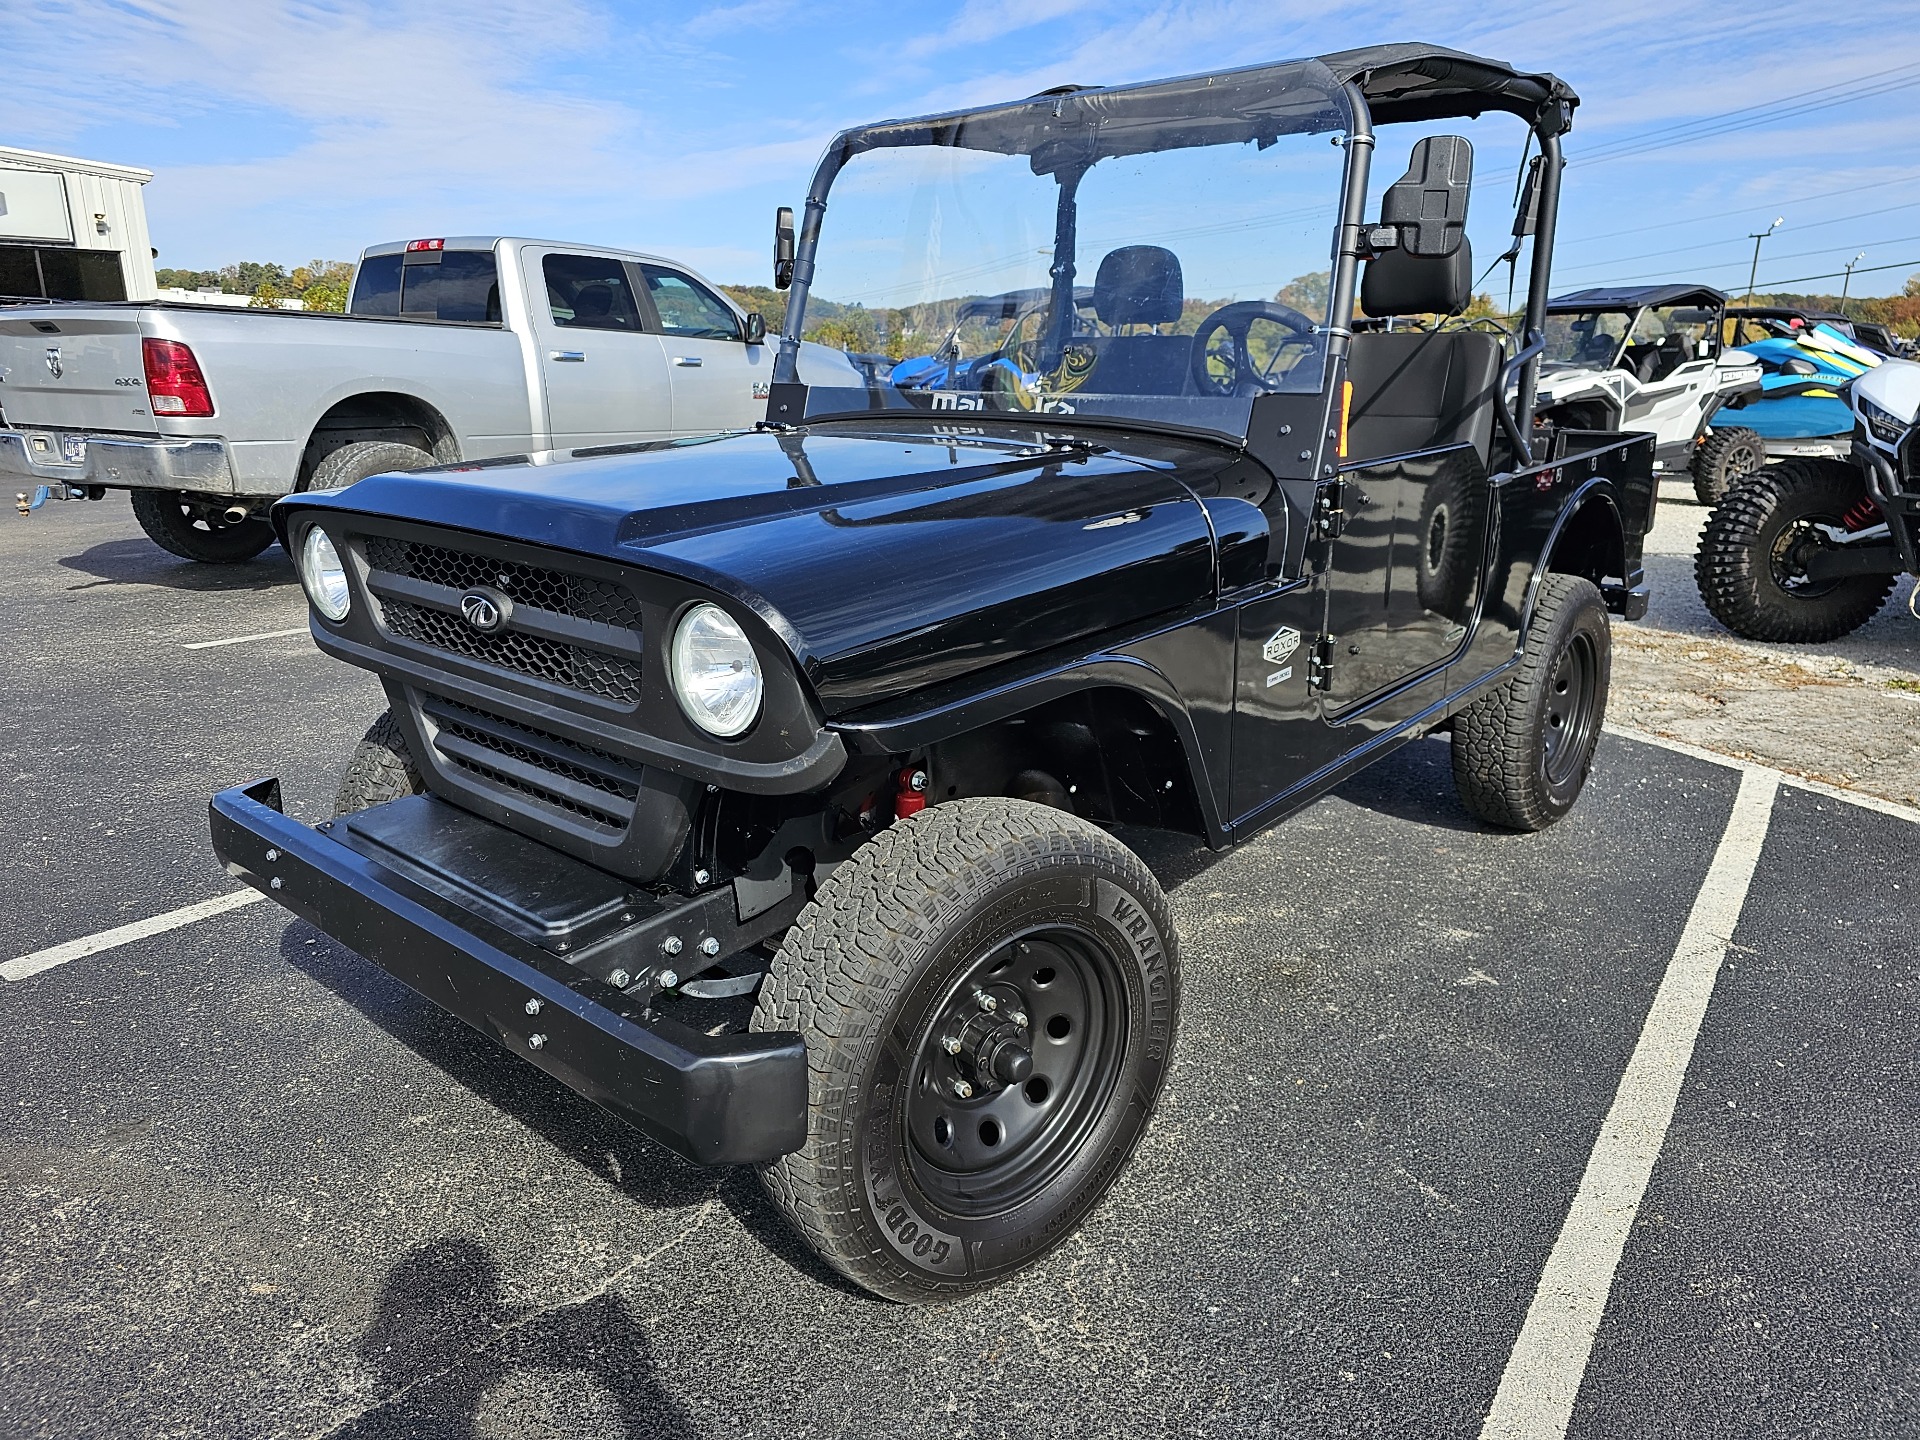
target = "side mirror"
x: 1428, y: 205
x: 783, y: 247
x: 1797, y: 366
x: 756, y: 328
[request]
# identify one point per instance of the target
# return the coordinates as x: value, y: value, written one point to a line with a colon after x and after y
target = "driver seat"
x: 1140, y: 285
x: 1416, y: 389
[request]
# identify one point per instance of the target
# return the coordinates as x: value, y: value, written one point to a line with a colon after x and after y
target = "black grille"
x: 580, y: 596
x: 573, y: 666
x: 582, y: 765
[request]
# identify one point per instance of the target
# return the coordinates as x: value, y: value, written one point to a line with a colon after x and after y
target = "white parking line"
x: 244, y: 639
x: 1785, y: 777
x: 54, y: 955
x: 1537, y: 1390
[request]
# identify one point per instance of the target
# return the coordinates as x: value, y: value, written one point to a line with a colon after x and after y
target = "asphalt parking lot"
x: 253, y: 1187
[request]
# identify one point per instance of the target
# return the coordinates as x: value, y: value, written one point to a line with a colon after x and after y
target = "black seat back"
x: 1418, y: 390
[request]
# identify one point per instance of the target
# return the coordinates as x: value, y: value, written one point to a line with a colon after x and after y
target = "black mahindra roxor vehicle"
x: 842, y: 715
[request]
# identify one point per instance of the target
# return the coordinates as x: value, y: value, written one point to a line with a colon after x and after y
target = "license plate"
x: 73, y: 449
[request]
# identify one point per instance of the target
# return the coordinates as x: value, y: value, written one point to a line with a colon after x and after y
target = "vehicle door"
x: 604, y: 374
x: 719, y: 381
x: 1682, y: 376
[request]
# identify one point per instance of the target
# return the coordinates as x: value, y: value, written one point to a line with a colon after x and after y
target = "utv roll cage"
x: 1382, y: 84
x: 1631, y: 300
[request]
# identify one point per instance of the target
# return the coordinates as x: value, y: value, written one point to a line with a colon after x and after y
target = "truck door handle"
x: 686, y: 360
x: 566, y: 354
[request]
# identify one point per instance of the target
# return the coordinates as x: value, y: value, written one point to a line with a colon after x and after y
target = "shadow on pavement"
x: 1414, y: 783
x: 457, y: 1360
x: 141, y: 562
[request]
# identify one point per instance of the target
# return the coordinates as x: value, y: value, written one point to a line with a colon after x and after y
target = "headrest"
x: 1139, y: 285
x: 594, y: 299
x: 1399, y: 283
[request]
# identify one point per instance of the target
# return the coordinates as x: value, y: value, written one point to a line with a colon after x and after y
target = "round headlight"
x: 323, y: 575
x: 716, y: 675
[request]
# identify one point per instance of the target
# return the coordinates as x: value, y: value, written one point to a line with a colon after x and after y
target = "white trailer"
x: 72, y: 229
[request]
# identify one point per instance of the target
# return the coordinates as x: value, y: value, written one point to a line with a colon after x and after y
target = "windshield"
x: 1593, y: 338
x: 1650, y: 341
x: 1158, y: 254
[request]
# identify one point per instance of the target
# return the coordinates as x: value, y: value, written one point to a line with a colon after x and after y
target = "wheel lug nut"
x: 950, y: 1045
x: 1019, y: 1017
x: 987, y: 1002
x: 963, y: 1089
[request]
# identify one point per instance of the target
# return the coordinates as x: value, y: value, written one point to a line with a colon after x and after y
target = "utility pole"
x: 1847, y: 284
x: 1756, y: 253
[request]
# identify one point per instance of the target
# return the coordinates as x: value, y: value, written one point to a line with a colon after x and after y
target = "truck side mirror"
x: 1428, y: 205
x: 783, y: 247
x: 756, y: 328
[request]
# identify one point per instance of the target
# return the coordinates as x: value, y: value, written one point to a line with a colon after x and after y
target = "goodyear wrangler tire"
x: 382, y: 769
x: 988, y: 992
x: 1750, y: 567
x: 1522, y: 751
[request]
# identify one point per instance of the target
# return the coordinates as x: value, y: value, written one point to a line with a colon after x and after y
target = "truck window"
x: 589, y: 292
x: 55, y: 272
x: 463, y: 287
x: 376, y: 289
x: 688, y: 308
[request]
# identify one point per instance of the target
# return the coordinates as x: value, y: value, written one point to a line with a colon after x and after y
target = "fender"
x: 1601, y: 491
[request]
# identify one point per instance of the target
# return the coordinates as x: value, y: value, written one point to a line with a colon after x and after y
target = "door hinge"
x: 1329, y: 510
x: 1320, y: 664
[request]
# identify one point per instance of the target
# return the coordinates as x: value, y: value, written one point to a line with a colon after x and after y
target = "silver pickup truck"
x: 451, y: 349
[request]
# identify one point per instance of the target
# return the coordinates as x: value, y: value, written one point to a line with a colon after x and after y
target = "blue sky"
x: 289, y: 129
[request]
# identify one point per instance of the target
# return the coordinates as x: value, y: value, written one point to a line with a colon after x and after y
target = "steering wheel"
x: 1236, y: 320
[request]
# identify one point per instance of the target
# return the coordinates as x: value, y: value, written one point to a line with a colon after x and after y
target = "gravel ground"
x: 1847, y: 713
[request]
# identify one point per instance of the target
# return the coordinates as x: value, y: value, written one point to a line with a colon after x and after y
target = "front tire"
x: 1724, y: 459
x: 931, y: 1171
x: 192, y: 527
x: 1523, y: 750
x: 1748, y: 566
x: 382, y: 769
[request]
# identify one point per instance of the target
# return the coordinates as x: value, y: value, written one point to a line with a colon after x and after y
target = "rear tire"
x: 1724, y: 459
x: 1746, y: 568
x: 191, y: 527
x: 358, y: 459
x: 933, y: 1169
x: 1523, y: 750
x: 382, y: 769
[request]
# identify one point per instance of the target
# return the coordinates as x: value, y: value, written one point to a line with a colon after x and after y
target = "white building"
x: 73, y: 229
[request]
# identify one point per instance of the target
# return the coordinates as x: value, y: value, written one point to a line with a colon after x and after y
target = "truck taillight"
x: 175, y: 385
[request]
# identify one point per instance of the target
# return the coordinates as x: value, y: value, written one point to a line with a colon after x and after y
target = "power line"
x: 1716, y: 244
x: 1742, y: 210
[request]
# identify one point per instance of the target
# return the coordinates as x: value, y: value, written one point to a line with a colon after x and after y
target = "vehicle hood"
x: 1894, y: 387
x: 887, y: 559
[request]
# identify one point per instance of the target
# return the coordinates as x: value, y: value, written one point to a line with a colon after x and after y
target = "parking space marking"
x: 1786, y: 777
x: 244, y: 639
x: 1543, y: 1374
x: 39, y: 960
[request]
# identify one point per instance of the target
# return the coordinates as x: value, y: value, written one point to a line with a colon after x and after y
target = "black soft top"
x: 1632, y: 297
x: 1413, y: 81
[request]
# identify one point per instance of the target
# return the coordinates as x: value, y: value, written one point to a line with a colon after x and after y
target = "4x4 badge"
x: 1280, y: 648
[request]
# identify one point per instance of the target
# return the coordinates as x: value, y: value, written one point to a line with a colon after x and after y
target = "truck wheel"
x: 382, y: 769
x: 988, y: 992
x: 361, y: 458
x: 1521, y: 752
x: 192, y: 527
x: 1725, y: 456
x: 1750, y: 568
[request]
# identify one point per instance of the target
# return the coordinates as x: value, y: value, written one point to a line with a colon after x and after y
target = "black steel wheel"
x: 988, y: 993
x: 1751, y: 565
x: 1523, y: 750
x: 1724, y: 459
x: 195, y: 527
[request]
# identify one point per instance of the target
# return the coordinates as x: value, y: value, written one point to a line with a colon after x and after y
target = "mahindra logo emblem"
x: 53, y: 362
x: 485, y: 610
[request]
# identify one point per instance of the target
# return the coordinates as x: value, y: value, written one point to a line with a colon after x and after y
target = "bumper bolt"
x: 274, y: 883
x: 710, y: 946
x: 669, y: 979
x: 273, y: 855
x: 619, y: 979
x: 700, y: 877
x: 534, y: 1042
x: 963, y: 1089
x: 671, y: 945
x: 533, y: 1006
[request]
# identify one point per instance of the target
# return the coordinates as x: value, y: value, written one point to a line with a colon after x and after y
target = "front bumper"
x: 201, y: 466
x: 737, y: 1099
